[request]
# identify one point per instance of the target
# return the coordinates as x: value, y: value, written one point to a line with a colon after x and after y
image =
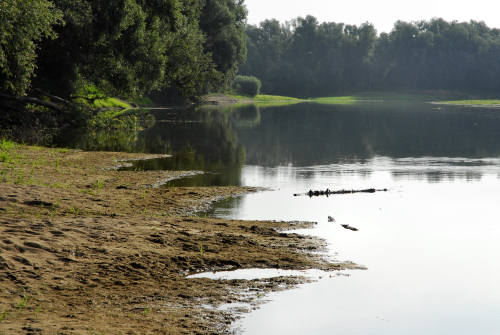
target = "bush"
x: 247, y: 85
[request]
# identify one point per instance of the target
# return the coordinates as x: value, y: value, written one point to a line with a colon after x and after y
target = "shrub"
x: 247, y: 85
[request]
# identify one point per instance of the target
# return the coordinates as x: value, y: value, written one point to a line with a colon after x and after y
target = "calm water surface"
x: 430, y: 247
x: 430, y: 244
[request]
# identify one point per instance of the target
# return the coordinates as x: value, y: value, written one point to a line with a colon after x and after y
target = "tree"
x: 112, y: 44
x: 306, y: 58
x: 131, y: 48
x: 223, y: 22
x: 23, y: 25
x: 247, y: 85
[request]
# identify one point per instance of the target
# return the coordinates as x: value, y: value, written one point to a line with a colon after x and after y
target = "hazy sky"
x: 382, y: 13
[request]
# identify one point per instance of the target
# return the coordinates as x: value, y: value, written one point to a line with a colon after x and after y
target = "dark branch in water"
x: 346, y: 226
x: 328, y: 192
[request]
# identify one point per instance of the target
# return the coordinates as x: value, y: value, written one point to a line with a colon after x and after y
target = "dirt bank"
x: 87, y: 249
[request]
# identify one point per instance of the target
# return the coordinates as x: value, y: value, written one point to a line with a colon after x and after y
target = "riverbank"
x: 88, y: 249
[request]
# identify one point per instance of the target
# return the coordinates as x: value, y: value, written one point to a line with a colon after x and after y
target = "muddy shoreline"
x: 88, y: 249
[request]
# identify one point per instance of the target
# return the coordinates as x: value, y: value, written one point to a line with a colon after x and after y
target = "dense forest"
x: 168, y: 49
x: 306, y: 58
x: 177, y: 50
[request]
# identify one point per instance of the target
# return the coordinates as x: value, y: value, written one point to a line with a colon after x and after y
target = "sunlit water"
x: 430, y: 244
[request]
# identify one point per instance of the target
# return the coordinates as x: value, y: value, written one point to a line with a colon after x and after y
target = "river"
x: 430, y: 244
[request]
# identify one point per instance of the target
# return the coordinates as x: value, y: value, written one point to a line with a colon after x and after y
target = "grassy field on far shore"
x: 483, y: 102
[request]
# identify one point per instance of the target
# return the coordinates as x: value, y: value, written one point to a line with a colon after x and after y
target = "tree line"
x: 168, y: 49
x: 306, y: 58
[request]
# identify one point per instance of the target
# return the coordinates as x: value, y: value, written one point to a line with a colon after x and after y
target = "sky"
x: 381, y: 13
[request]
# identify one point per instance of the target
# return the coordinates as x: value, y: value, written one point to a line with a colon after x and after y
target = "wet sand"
x: 88, y: 249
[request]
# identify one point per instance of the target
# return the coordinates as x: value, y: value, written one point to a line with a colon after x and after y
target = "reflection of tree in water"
x: 310, y: 134
x: 201, y: 139
x: 438, y: 176
x: 221, y: 139
x: 119, y: 134
x: 246, y: 116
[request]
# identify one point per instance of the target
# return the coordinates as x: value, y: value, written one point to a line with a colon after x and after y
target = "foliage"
x: 439, y: 55
x: 132, y: 48
x: 23, y: 25
x: 111, y: 103
x: 223, y: 23
x: 143, y: 101
x: 306, y: 58
x: 91, y: 96
x: 247, y: 85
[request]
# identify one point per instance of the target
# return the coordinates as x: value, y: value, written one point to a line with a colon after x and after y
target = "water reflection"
x: 439, y: 217
x: 308, y: 134
x: 223, y: 140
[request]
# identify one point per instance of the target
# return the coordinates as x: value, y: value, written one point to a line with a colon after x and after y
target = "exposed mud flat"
x: 87, y: 249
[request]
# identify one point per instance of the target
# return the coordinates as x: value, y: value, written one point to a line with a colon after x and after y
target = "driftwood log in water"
x: 328, y: 192
x: 346, y: 226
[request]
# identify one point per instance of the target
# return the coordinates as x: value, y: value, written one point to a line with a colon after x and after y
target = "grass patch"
x: 104, y: 103
x: 269, y: 98
x: 264, y: 100
x: 485, y: 102
x: 6, y: 148
x: 347, y: 100
x: 91, y: 96
x: 6, y: 145
x: 111, y: 103
x: 4, y: 157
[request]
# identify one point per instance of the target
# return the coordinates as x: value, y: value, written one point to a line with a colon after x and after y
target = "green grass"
x: 6, y: 145
x: 5, y: 157
x: 485, y: 102
x: 264, y: 100
x: 91, y: 96
x: 272, y: 98
x: 347, y: 100
x: 111, y: 103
